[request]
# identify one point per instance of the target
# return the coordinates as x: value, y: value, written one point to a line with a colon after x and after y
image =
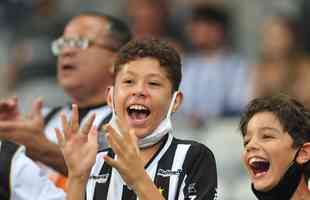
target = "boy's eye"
x: 245, y: 142
x: 154, y: 83
x: 128, y: 81
x: 265, y: 136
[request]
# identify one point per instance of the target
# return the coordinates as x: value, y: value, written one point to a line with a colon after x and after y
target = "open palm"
x: 78, y: 145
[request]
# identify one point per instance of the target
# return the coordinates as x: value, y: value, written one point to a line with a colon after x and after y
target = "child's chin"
x: 263, y: 187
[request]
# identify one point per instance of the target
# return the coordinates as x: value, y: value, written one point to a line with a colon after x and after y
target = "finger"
x: 117, y: 138
x: 128, y: 135
x: 88, y: 124
x: 14, y: 99
x: 92, y: 136
x: 115, y: 146
x: 60, y: 138
x: 111, y: 161
x: 65, y: 126
x: 74, y: 122
x: 8, y: 105
x: 11, y: 125
x: 133, y: 139
x: 12, y: 102
x: 36, y: 108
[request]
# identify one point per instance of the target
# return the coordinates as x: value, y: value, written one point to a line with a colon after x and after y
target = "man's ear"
x: 304, y: 154
x: 178, y: 101
x: 110, y: 96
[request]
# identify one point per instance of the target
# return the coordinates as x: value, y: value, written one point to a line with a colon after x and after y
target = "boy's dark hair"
x: 167, y: 56
x: 119, y: 32
x: 292, y: 115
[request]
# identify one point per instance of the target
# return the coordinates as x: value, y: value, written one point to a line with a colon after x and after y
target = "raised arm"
x: 29, y: 131
x: 79, y: 147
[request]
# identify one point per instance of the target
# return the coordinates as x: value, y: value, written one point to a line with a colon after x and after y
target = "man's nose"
x: 67, y: 50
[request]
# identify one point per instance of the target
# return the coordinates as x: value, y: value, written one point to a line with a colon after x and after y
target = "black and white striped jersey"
x: 180, y: 169
x: 52, y: 119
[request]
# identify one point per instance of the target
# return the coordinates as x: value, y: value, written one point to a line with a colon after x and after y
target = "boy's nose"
x: 140, y: 90
x: 252, y: 145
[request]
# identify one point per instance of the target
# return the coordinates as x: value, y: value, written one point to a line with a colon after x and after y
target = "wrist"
x: 77, y: 178
x: 140, y: 182
x: 146, y: 189
x: 76, y: 188
x: 34, y: 147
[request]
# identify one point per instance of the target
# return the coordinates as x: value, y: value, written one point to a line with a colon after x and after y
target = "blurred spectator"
x: 12, y: 12
x: 152, y: 18
x: 301, y: 86
x: 283, y: 66
x: 215, y: 78
x: 305, y: 24
x: 32, y: 66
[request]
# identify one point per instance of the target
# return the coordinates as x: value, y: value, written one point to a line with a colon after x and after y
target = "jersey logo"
x: 161, y: 190
x: 192, y: 188
x: 102, y: 178
x: 191, y: 197
x: 168, y: 172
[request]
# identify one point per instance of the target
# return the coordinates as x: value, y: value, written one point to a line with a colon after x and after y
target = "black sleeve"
x: 200, y: 178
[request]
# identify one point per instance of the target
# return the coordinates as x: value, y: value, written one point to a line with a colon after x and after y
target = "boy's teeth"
x: 138, y: 107
x: 252, y: 160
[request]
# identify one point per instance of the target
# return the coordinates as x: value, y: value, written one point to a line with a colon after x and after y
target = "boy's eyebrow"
x: 267, y: 128
x: 148, y: 75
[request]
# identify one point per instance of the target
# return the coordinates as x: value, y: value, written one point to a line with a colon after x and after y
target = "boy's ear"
x: 110, y: 96
x: 178, y: 101
x: 304, y: 154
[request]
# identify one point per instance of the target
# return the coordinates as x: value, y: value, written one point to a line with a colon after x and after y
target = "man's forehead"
x: 90, y: 26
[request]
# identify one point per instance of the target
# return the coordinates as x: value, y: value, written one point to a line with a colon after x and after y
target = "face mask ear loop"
x: 113, y: 102
x: 172, y: 104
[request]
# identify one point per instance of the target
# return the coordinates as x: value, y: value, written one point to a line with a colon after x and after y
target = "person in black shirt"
x: 145, y: 161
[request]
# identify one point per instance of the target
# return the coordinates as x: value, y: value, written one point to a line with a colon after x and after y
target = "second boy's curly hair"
x: 167, y: 56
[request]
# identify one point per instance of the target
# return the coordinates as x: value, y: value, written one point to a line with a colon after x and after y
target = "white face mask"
x: 164, y: 127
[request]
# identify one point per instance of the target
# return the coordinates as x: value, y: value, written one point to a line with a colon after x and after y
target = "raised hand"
x: 21, y: 130
x: 129, y: 162
x: 78, y: 145
x: 9, y: 109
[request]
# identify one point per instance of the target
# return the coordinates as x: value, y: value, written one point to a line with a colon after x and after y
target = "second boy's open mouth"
x: 259, y: 166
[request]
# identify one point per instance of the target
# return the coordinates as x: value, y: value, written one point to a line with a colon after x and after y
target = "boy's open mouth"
x: 259, y: 166
x: 138, y: 113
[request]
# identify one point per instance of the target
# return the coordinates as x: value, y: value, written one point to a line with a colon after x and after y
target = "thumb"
x: 36, y: 108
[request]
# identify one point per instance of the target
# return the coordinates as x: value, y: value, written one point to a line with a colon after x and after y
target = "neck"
x: 302, y: 192
x: 278, y: 57
x: 212, y: 52
x: 89, y: 101
x: 148, y: 153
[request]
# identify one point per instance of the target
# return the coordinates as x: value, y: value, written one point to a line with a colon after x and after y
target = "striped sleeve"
x: 200, y: 177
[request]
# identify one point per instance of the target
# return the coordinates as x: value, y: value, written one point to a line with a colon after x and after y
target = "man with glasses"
x: 86, y: 52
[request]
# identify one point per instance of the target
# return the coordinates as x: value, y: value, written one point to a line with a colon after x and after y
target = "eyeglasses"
x: 76, y: 42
